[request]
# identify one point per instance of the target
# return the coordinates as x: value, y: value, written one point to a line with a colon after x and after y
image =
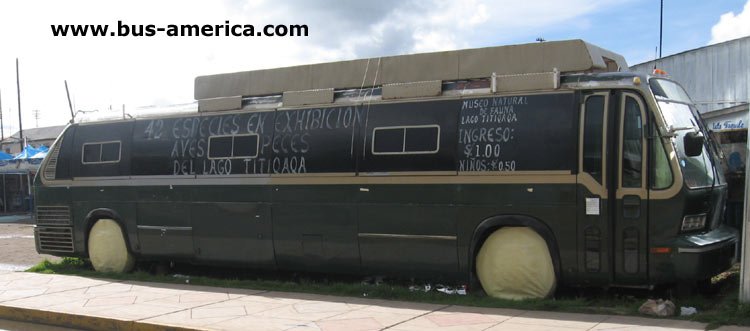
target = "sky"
x: 106, y: 73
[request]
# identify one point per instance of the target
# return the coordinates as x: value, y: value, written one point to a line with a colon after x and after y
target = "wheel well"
x: 104, y: 213
x: 489, y: 225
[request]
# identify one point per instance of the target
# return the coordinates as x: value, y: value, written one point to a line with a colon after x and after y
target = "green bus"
x: 516, y: 168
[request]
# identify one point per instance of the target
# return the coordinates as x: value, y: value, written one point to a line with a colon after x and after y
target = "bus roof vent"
x: 526, y: 82
x: 428, y: 88
x: 219, y: 104
x: 50, y: 168
x: 307, y: 97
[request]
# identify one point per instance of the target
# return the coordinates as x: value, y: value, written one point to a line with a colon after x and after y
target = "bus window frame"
x: 586, y: 179
x: 257, y: 146
x: 101, y: 143
x: 641, y: 191
x: 403, y: 146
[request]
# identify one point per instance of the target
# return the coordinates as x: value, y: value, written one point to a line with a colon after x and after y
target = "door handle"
x: 631, y: 206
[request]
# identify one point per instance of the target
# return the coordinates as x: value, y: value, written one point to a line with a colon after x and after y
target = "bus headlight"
x: 693, y: 222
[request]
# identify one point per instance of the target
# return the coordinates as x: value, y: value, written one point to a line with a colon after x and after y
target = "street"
x: 17, y: 244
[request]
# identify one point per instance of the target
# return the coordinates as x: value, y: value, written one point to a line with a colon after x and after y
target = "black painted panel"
x: 316, y: 140
x: 65, y: 158
x: 417, y: 119
x: 155, y: 148
x: 534, y: 132
x: 105, y: 132
x: 179, y: 146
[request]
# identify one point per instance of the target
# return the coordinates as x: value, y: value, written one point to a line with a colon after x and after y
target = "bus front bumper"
x: 696, y: 256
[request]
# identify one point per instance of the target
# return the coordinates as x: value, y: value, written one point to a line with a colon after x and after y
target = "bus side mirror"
x: 693, y: 143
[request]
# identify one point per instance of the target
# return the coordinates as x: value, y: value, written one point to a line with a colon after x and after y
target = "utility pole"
x: 745, y: 235
x: 36, y: 112
x: 20, y: 125
x: 661, y: 25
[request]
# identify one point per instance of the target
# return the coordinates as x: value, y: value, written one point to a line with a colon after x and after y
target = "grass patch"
x: 720, y: 307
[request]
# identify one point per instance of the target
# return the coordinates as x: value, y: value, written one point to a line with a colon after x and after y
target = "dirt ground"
x: 17, y: 248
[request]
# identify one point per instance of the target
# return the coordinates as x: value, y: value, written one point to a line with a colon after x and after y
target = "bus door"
x: 631, y: 197
x: 612, y: 221
x: 594, y: 198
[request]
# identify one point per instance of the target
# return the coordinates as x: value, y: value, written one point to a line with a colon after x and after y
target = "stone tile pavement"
x: 100, y: 304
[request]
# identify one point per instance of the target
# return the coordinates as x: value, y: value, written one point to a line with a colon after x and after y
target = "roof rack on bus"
x: 508, y: 68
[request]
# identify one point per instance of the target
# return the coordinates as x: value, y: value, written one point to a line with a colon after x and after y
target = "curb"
x: 79, y: 321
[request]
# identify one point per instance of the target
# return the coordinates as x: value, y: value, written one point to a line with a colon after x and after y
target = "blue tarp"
x: 27, y: 153
x: 39, y: 155
x: 5, y: 156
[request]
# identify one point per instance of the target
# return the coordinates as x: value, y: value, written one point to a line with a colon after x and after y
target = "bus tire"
x: 514, y: 263
x: 107, y: 248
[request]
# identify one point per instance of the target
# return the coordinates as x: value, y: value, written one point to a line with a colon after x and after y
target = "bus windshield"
x: 675, y: 105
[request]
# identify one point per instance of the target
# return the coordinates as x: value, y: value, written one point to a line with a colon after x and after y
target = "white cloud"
x: 112, y: 71
x: 732, y: 26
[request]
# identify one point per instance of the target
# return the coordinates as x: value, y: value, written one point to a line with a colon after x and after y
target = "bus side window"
x: 244, y: 146
x: 421, y: 139
x: 592, y: 136
x: 632, y: 143
x: 101, y: 152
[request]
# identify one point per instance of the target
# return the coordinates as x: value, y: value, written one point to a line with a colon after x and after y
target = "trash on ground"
x: 377, y: 280
x: 687, y: 311
x: 181, y: 276
x: 445, y: 289
x: 657, y: 308
x: 461, y: 290
x: 420, y: 288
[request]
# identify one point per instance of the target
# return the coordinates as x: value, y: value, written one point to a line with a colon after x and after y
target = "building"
x: 35, y: 137
x: 16, y: 176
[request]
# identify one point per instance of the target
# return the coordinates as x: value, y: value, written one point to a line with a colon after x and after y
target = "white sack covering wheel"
x: 514, y: 263
x: 107, y: 248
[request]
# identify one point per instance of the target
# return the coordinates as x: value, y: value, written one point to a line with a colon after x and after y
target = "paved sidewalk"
x: 126, y: 305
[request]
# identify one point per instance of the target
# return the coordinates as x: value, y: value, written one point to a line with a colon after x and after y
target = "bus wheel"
x: 107, y: 248
x: 514, y: 263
